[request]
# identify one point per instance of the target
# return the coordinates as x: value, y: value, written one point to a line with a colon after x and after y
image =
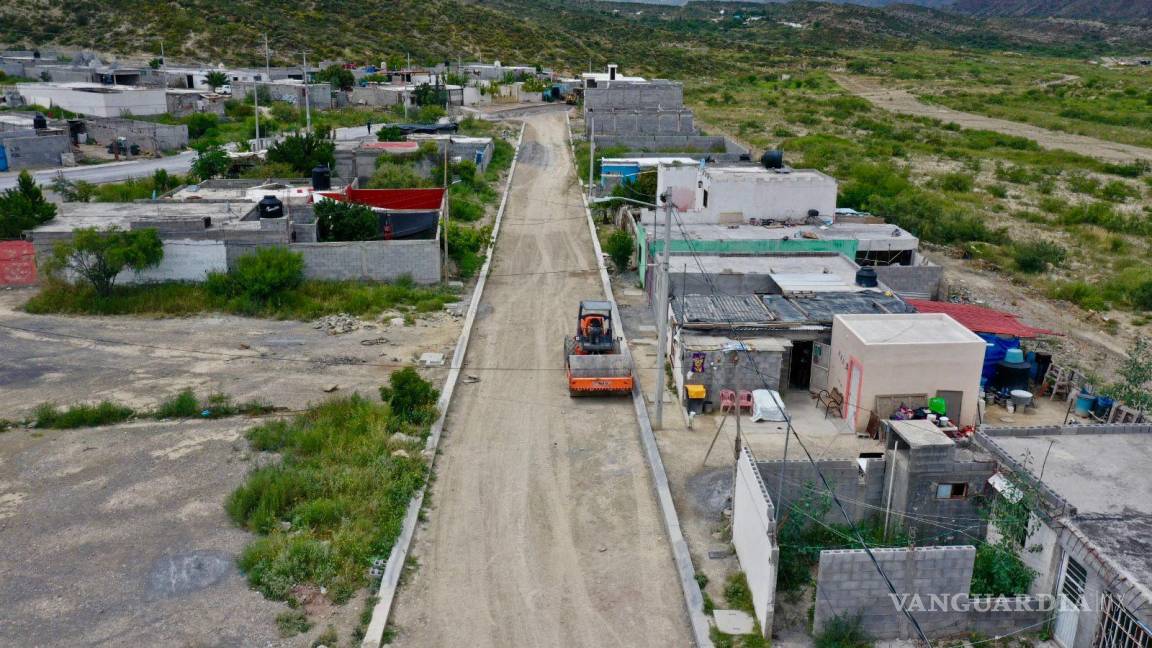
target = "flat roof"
x: 1106, y: 478
x: 906, y: 328
x: 651, y: 161
x: 869, y: 236
x: 793, y: 272
x: 245, y: 191
x: 920, y: 434
x: 71, y: 216
x: 759, y: 173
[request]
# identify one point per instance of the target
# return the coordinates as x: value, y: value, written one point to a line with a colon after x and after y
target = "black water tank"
x: 270, y: 207
x: 39, y: 122
x: 866, y: 278
x: 1011, y: 375
x: 773, y: 159
x: 321, y: 178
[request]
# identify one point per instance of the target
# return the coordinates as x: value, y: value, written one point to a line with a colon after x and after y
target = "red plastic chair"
x: 745, y: 400
x: 727, y: 400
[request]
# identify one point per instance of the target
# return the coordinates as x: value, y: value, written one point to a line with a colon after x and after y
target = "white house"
x: 96, y: 100
x: 747, y: 194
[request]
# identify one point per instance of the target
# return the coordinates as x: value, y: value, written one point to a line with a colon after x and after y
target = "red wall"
x: 17, y: 263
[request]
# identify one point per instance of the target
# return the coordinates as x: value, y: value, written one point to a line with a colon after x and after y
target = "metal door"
x: 3, y: 158
x: 1069, y: 599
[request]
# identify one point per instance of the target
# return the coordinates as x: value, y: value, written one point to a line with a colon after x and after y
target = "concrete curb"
x: 693, y: 598
x: 395, y: 567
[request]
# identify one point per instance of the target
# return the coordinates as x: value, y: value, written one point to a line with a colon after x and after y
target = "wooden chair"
x: 830, y: 399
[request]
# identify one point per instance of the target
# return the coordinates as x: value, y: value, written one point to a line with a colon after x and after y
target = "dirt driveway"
x: 543, y: 529
x: 905, y: 103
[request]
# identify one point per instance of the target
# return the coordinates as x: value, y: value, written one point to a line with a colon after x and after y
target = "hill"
x: 1104, y: 10
x: 696, y: 38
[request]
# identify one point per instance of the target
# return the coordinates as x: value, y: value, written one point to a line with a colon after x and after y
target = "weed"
x: 182, y: 405
x: 328, y: 638
x: 49, y: 415
x: 843, y: 632
x: 1037, y: 256
x: 1084, y: 295
x: 737, y: 593
x: 292, y: 623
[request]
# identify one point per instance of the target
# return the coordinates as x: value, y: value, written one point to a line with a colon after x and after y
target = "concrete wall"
x: 148, y: 136
x: 183, y: 261
x: 372, y: 260
x: 912, y: 368
x: 319, y: 94
x: 749, y: 373
x: 913, y: 282
x: 645, y: 95
x: 719, y: 196
x: 17, y: 263
x: 25, y: 151
x: 628, y: 123
x: 862, y: 497
x: 754, y: 537
x: 107, y: 101
x: 670, y: 143
x: 849, y: 585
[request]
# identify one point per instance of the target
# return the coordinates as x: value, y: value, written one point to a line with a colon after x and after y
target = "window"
x: 1075, y: 579
x: 705, y: 197
x: 1118, y: 628
x: 952, y: 491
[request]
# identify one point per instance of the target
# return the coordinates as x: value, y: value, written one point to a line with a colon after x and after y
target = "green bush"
x: 264, y: 275
x: 955, y: 181
x: 843, y: 632
x: 619, y: 248
x: 303, y: 152
x: 1037, y: 256
x: 465, y: 209
x: 998, y: 571
x: 465, y: 245
x: 182, y: 405
x: 341, y: 221
x: 83, y: 415
x: 292, y: 623
x: 394, y: 175
x: 1082, y: 294
x: 410, y: 397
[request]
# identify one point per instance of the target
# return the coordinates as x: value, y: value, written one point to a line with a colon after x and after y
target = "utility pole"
x: 307, y: 102
x: 256, y: 109
x: 267, y: 59
x: 444, y: 261
x: 591, y: 152
x: 662, y: 313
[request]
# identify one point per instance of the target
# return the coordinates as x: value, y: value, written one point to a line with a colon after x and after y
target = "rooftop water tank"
x: 866, y: 278
x: 39, y: 122
x: 321, y: 178
x: 773, y: 159
x: 270, y: 207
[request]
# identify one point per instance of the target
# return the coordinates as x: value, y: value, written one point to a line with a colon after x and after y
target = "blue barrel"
x: 1084, y: 404
x: 1103, y: 406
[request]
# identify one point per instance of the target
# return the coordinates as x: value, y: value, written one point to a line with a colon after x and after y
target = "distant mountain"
x: 1103, y: 10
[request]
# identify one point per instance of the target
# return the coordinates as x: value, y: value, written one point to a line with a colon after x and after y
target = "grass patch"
x: 292, y: 623
x: 336, y: 500
x: 310, y: 300
x: 843, y: 632
x: 50, y: 416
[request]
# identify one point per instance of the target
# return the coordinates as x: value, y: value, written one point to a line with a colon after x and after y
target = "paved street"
x: 111, y: 172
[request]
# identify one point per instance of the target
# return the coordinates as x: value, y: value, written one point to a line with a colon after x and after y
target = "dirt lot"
x: 903, y: 102
x: 118, y: 534
x: 543, y: 528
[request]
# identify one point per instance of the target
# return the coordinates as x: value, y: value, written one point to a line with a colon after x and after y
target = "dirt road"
x: 543, y: 529
x: 905, y: 103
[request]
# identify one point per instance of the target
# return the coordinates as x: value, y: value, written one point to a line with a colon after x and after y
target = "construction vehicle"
x: 595, y: 359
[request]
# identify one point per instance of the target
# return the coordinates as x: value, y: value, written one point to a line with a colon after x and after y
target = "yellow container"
x: 696, y: 391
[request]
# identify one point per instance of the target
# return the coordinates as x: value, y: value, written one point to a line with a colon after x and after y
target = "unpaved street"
x: 543, y: 529
x: 905, y: 103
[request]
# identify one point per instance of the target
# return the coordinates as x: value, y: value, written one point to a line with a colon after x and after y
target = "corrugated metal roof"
x: 980, y: 319
x: 722, y: 309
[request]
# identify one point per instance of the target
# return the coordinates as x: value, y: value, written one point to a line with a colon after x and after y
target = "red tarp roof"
x: 422, y: 199
x: 980, y: 319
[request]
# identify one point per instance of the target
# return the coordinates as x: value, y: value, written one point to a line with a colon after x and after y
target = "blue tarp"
x: 997, y: 348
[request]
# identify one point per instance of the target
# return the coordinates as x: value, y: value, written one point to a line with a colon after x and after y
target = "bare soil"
x: 543, y: 529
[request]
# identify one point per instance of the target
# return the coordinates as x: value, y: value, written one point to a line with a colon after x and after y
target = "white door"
x: 1070, y: 599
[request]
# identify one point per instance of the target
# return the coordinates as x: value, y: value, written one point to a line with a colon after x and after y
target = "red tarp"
x: 398, y: 199
x: 980, y: 319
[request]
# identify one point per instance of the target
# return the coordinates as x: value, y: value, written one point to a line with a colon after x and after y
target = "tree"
x: 390, y: 134
x: 339, y: 221
x: 303, y: 152
x: 210, y: 162
x: 337, y: 77
x: 1135, y: 375
x: 619, y: 248
x: 156, y: 63
x: 99, y: 256
x: 23, y: 207
x: 390, y: 175
x: 215, y: 79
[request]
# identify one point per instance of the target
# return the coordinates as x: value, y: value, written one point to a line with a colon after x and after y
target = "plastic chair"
x: 727, y: 400
x: 745, y: 401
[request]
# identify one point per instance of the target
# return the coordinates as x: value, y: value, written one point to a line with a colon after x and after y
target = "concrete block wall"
x: 670, y: 143
x: 754, y: 537
x: 33, y: 151
x: 918, y: 281
x: 636, y: 122
x: 647, y: 95
x: 862, y: 497
x: 1049, y: 430
x: 747, y: 375
x: 147, y: 135
x: 372, y: 260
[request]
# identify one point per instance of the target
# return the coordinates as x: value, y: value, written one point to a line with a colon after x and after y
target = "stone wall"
x: 936, y: 581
